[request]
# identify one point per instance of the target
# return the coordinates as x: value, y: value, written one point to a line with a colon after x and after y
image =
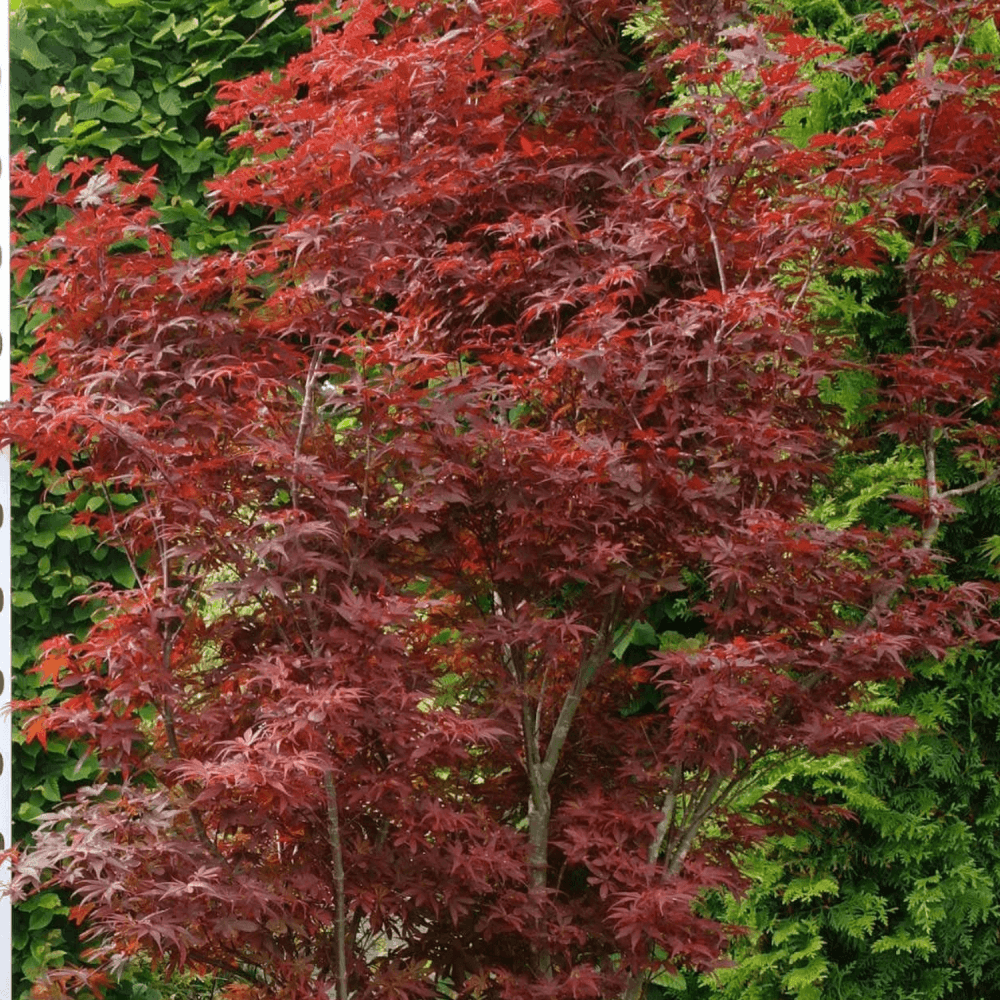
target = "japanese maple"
x: 527, y: 360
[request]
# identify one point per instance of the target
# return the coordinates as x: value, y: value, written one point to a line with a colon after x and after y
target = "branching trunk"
x: 539, y: 814
x: 706, y: 802
x: 170, y: 728
x: 541, y: 768
x: 688, y: 826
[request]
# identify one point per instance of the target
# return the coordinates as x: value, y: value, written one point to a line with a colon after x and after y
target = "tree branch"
x: 933, y: 525
x: 669, y: 808
x: 961, y: 491
x: 336, y: 848
x: 705, y: 803
x: 300, y: 437
x: 196, y: 819
x: 603, y: 644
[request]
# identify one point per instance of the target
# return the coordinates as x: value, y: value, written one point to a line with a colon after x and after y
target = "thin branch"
x: 196, y: 819
x: 933, y: 526
x: 717, y: 251
x: 704, y: 807
x: 228, y: 967
x: 307, y: 400
x: 669, y: 808
x: 805, y: 284
x: 603, y: 644
x: 723, y: 287
x: 540, y: 704
x: 961, y: 491
x: 161, y: 545
x: 532, y: 749
x: 336, y: 848
x: 959, y: 41
x: 118, y: 534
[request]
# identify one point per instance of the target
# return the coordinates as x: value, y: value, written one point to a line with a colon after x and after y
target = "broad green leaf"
x: 170, y: 101
x: 23, y: 46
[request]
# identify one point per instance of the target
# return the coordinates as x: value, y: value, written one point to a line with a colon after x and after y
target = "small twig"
x: 118, y: 534
x: 231, y: 969
x: 307, y: 398
x: 805, y: 284
x: 723, y: 287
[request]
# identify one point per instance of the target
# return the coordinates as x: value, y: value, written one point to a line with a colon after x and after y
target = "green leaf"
x: 41, y: 540
x: 166, y: 28
x: 185, y: 27
x: 24, y: 47
x: 170, y: 101
x: 80, y: 770
x: 118, y: 114
x: 98, y: 93
x: 128, y: 99
x: 39, y: 919
x: 50, y: 789
x: 48, y: 901
x: 29, y: 810
x: 639, y: 634
x: 903, y: 943
x: 122, y: 574
x: 74, y: 532
x: 801, y: 979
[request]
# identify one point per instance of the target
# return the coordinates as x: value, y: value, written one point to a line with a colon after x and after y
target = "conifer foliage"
x: 527, y: 357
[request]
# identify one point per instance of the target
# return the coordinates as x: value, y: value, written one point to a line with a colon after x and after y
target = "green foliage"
x: 55, y: 558
x: 861, y: 483
x: 985, y: 39
x: 833, y: 19
x: 902, y: 901
x: 137, y: 78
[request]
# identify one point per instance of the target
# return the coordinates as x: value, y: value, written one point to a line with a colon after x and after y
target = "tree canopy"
x: 540, y: 357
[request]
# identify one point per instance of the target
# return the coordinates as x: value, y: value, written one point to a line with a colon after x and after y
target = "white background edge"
x: 6, y: 805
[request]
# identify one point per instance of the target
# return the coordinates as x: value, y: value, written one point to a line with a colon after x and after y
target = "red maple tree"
x: 527, y: 360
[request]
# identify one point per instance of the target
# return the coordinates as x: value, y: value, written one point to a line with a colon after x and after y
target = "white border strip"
x: 6, y: 805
